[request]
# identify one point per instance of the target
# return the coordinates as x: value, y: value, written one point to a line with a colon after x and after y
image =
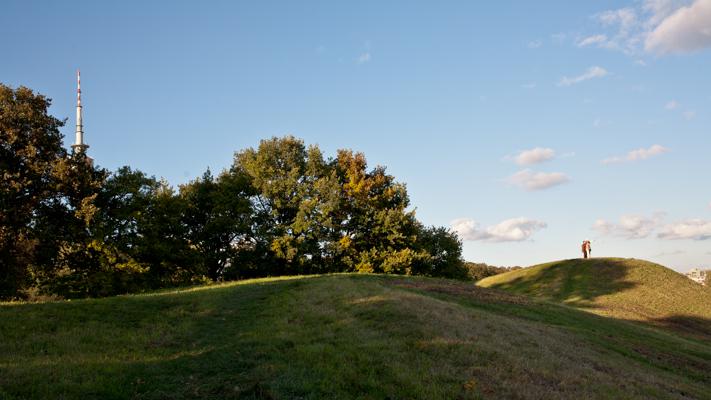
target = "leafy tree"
x: 444, y: 249
x: 164, y: 244
x: 377, y: 233
x: 477, y: 271
x: 70, y: 228
x: 30, y: 146
x: 292, y: 202
x: 218, y: 218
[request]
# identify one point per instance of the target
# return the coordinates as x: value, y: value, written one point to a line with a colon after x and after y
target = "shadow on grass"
x: 191, y: 344
x: 269, y: 340
x: 689, y: 325
x: 575, y: 282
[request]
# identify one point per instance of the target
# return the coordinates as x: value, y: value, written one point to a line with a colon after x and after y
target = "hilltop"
x: 338, y: 336
x: 615, y: 287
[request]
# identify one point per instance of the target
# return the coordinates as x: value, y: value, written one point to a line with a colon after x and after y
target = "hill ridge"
x: 623, y: 288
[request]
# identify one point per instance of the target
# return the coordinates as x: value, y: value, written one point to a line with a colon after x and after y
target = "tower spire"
x: 79, y: 145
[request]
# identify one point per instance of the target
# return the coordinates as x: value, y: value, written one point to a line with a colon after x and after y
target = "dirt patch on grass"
x: 468, y: 291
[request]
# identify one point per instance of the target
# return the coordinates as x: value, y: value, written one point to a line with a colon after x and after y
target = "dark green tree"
x: 30, y: 147
x: 444, y: 249
x: 217, y: 217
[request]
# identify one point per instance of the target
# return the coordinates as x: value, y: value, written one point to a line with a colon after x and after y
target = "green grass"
x: 338, y: 337
x: 621, y: 288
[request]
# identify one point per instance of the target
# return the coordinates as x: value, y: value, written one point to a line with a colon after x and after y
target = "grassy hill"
x: 339, y: 336
x: 620, y: 288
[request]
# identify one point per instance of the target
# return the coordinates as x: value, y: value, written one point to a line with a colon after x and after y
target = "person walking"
x: 587, y: 249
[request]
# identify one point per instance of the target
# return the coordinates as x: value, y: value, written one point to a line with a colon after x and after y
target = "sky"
x: 526, y: 127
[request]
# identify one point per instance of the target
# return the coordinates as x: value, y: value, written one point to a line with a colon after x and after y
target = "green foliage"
x: 30, y: 148
x: 217, y: 218
x: 478, y: 271
x: 443, y: 254
x: 72, y: 229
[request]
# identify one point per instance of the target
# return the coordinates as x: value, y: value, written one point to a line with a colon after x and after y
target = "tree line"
x: 69, y: 228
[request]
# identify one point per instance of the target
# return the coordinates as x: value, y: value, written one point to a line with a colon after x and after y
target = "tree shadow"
x: 688, y: 325
x: 576, y: 282
x: 239, y: 342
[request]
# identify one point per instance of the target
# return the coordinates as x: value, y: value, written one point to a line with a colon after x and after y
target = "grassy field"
x: 621, y: 288
x: 339, y: 336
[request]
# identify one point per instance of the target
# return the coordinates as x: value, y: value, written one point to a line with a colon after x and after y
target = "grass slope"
x: 339, y: 336
x: 620, y: 288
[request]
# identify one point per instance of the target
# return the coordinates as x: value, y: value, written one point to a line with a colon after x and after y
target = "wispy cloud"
x: 592, y: 72
x: 695, y: 229
x: 531, y: 181
x: 510, y: 230
x: 675, y: 105
x: 654, y: 26
x: 363, y: 58
x: 592, y: 40
x: 640, y: 227
x: 534, y: 44
x: 534, y: 156
x: 530, y: 85
x: 630, y: 226
x: 689, y: 114
x: 638, y: 154
x: 672, y: 105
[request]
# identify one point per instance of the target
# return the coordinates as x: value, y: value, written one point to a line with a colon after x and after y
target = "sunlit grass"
x: 621, y: 288
x: 337, y: 336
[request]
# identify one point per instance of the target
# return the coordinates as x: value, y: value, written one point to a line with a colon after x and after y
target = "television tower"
x: 79, y: 145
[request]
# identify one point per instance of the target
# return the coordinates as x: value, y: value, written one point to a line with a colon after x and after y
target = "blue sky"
x: 526, y: 126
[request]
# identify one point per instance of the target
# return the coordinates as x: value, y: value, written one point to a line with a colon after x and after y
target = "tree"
x: 444, y: 249
x: 217, y: 217
x: 30, y: 147
x: 293, y: 199
x: 377, y: 233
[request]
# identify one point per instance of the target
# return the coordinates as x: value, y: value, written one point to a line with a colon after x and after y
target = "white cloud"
x: 534, y: 156
x: 696, y: 229
x: 510, y: 230
x: 363, y: 58
x: 530, y: 85
x: 592, y: 72
x: 672, y: 105
x: 591, y: 40
x: 629, y: 226
x: 534, y: 44
x: 636, y: 155
x: 687, y: 29
x: 530, y: 180
x: 655, y: 26
x: 625, y: 18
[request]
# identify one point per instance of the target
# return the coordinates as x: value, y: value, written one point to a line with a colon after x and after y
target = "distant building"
x: 697, y: 275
